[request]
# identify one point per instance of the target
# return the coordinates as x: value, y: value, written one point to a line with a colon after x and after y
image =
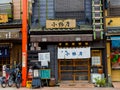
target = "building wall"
x: 43, y: 10
x: 17, y: 9
x: 111, y: 21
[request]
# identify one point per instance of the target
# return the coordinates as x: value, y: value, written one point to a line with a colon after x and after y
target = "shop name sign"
x: 65, y: 23
x: 7, y: 35
x: 73, y: 53
x: 3, y: 18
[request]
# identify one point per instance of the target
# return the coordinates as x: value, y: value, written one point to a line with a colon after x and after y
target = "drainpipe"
x: 24, y: 42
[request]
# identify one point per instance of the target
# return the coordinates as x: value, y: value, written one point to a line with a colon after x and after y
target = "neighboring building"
x: 112, y: 26
x: 67, y: 36
x: 10, y: 32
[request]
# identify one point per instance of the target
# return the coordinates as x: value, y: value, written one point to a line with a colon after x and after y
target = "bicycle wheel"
x: 18, y: 83
x: 3, y: 82
x: 10, y: 82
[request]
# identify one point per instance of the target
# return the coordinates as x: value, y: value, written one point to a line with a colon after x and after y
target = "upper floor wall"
x: 17, y: 7
x: 42, y: 10
x: 112, y: 8
x: 112, y: 16
x: 12, y: 8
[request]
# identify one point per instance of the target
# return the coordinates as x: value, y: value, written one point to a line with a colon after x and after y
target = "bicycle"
x: 8, y: 79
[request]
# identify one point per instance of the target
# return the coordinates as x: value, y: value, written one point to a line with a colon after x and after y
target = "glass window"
x: 5, y: 1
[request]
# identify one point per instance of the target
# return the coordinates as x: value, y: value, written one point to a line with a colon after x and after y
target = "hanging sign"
x: 73, y: 53
x: 65, y: 23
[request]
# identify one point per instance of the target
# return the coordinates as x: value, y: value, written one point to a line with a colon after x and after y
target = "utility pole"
x: 24, y: 42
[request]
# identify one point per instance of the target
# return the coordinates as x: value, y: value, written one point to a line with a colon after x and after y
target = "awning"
x: 115, y: 41
x: 61, y: 38
x: 10, y: 33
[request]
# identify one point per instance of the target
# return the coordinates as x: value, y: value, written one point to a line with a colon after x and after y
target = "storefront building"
x: 10, y: 33
x: 112, y: 26
x: 68, y: 40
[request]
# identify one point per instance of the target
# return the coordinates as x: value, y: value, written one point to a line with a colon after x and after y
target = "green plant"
x: 100, y: 82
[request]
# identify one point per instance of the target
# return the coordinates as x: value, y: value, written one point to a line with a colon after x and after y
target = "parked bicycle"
x: 8, y: 79
x: 13, y: 76
x: 18, y: 75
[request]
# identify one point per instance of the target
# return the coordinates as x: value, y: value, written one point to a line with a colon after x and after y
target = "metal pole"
x: 24, y: 42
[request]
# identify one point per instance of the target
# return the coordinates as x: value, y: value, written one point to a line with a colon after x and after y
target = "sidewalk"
x: 58, y: 88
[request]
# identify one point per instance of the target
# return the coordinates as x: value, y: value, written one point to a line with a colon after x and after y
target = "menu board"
x: 45, y: 73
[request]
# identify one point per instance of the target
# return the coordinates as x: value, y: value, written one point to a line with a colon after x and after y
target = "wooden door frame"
x: 59, y: 70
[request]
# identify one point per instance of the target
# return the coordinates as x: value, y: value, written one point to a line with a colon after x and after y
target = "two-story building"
x: 10, y: 32
x: 66, y: 36
x: 112, y: 28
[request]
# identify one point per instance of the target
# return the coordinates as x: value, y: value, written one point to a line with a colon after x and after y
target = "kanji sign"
x: 3, y: 18
x: 66, y: 23
x: 73, y: 53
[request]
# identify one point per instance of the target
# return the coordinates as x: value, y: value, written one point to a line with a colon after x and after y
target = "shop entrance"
x: 74, y: 70
x: 4, y: 56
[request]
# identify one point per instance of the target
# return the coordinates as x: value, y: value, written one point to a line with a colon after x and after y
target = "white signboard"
x: 44, y: 63
x: 44, y: 56
x: 73, y: 53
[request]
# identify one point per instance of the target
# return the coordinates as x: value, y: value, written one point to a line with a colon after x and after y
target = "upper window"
x: 114, y: 8
x: 70, y: 9
x: 5, y: 1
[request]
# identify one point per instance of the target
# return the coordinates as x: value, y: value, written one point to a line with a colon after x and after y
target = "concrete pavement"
x: 58, y: 88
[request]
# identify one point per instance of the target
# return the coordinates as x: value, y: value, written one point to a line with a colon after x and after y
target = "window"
x: 70, y: 9
x: 114, y: 8
x: 5, y: 1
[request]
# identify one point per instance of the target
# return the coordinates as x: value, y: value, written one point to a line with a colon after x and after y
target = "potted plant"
x: 97, y: 82
x: 100, y: 82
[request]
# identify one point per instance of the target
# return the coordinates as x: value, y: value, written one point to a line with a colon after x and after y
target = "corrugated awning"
x: 115, y: 41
